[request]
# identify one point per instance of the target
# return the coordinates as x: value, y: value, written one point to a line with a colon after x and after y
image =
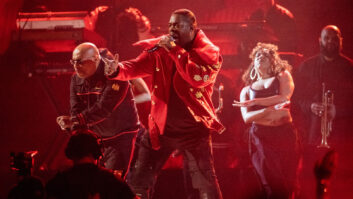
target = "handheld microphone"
x: 156, y: 47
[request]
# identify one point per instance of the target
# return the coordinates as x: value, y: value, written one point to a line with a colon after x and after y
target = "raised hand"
x: 111, y: 66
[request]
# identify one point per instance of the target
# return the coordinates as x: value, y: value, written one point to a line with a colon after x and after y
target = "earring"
x: 253, y: 74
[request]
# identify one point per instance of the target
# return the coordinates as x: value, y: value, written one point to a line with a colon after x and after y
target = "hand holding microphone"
x: 166, y: 42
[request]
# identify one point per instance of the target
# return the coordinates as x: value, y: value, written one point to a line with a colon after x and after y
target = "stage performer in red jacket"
x: 184, y: 65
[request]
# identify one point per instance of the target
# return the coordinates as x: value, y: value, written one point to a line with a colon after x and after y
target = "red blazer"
x: 197, y: 70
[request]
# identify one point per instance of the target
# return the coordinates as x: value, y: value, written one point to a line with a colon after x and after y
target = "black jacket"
x: 337, y: 76
x: 105, y: 106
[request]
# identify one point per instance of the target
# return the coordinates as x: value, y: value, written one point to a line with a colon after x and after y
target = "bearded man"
x: 329, y: 70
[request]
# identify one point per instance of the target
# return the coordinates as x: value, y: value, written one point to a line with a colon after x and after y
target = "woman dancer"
x: 264, y: 104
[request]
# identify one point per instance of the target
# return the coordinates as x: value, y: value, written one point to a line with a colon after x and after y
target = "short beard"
x: 329, y: 53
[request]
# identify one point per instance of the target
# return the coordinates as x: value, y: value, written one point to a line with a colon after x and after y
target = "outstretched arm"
x: 285, y: 93
x: 141, y: 66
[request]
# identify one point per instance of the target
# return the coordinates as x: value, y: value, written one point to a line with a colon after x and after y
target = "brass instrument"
x: 326, y: 125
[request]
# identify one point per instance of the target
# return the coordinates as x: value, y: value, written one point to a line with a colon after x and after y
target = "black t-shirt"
x: 179, y: 119
x: 272, y: 90
x: 86, y: 180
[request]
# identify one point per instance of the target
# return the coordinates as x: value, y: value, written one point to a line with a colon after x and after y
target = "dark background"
x: 29, y: 105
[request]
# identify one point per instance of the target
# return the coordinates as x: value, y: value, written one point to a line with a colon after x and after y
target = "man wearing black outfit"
x: 331, y: 68
x: 85, y: 179
x: 104, y: 106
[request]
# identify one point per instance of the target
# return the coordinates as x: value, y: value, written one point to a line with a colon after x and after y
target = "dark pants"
x: 117, y: 152
x: 196, y: 148
x: 274, y: 156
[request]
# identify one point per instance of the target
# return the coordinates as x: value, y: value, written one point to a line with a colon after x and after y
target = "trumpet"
x: 326, y: 125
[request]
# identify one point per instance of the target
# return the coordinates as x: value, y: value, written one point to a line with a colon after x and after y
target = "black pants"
x: 274, y: 155
x: 196, y: 148
x: 117, y: 152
